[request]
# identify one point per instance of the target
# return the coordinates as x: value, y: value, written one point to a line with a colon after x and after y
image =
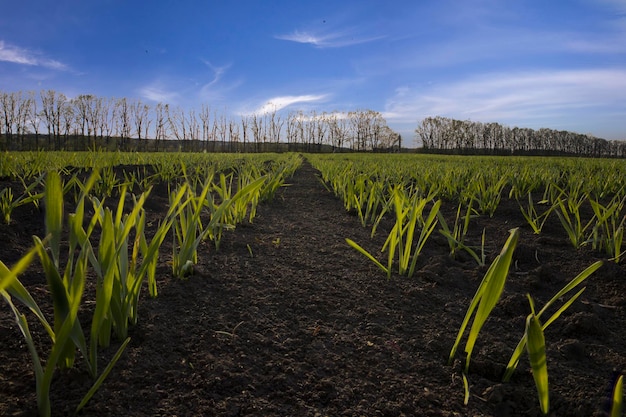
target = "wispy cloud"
x: 328, y: 39
x: 218, y: 72
x: 281, y: 102
x: 155, y: 92
x: 522, y: 99
x: 618, y: 10
x: 486, y: 32
x: 21, y: 56
x: 598, y: 46
x: 611, y: 39
x: 216, y: 88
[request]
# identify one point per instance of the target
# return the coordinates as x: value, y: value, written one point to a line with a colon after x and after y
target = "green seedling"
x: 573, y: 284
x: 618, y: 397
x: 536, y: 347
x: 485, y: 300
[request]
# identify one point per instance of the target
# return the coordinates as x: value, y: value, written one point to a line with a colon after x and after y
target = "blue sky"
x: 527, y: 63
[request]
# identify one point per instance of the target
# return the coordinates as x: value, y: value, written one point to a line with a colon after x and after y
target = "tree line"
x: 442, y: 134
x: 50, y: 120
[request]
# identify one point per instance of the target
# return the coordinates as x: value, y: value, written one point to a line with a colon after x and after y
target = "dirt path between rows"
x: 287, y: 320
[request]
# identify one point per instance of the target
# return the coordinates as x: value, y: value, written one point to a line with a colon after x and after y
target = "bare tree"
x: 214, y: 131
x: 107, y: 120
x: 265, y: 132
x: 66, y: 122
x: 78, y: 122
x: 257, y: 128
x: 85, y: 112
x: 178, y: 123
x: 94, y: 113
x: 309, y: 124
x: 291, y: 130
x: 331, y: 120
x: 388, y: 138
x: 140, y: 118
x: 205, y: 117
x: 8, y: 111
x: 233, y: 134
x: 321, y: 126
x: 194, y: 129
x: 244, y: 129
x: 23, y: 111
x: 123, y: 122
x: 342, y: 132
x: 33, y: 118
x: 276, y: 126
x: 52, y: 107
x: 300, y: 128
x: 161, y: 123
x: 221, y: 129
x: 425, y: 132
x: 355, y: 120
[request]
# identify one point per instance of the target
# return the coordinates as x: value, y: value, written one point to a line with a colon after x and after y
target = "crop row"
x: 209, y: 194
x: 587, y: 196
x: 107, y: 242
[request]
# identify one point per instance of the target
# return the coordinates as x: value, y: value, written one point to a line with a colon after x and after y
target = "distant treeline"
x: 445, y: 135
x: 50, y: 120
x: 29, y: 142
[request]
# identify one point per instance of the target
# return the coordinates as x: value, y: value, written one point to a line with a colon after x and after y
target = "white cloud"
x: 158, y: 94
x: 612, y: 38
x: 337, y: 115
x: 218, y: 72
x: 617, y: 6
x: 189, y: 91
x: 301, y: 37
x: 17, y: 55
x: 328, y: 40
x: 619, y: 19
x: 600, y: 46
x: 522, y: 99
x: 216, y: 89
x: 279, y: 103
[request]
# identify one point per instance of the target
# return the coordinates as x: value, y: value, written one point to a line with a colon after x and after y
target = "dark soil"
x: 287, y: 320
